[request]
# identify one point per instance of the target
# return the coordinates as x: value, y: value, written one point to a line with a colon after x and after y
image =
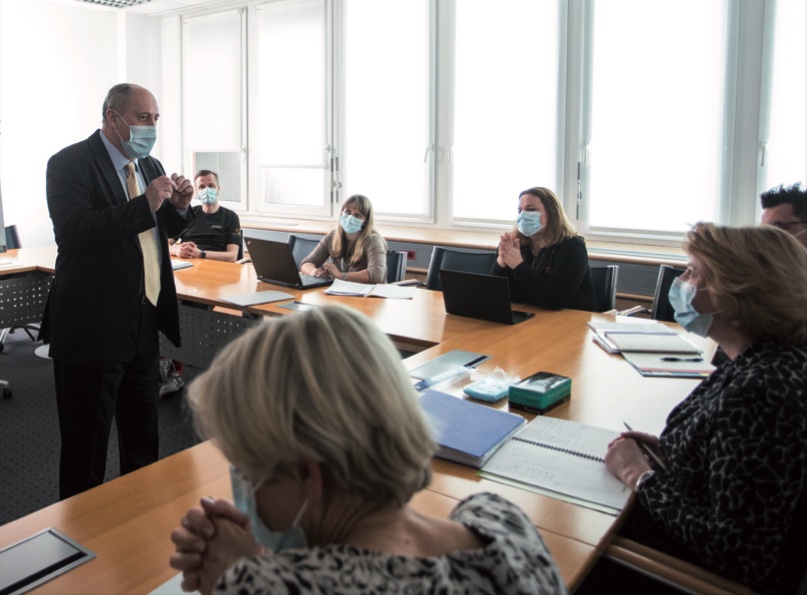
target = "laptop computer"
x: 486, y: 297
x: 274, y: 263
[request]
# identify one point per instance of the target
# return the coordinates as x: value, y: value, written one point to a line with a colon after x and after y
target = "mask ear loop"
x: 127, y: 125
x: 300, y: 514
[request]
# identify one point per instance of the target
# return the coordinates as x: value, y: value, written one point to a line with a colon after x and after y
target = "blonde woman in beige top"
x: 352, y: 252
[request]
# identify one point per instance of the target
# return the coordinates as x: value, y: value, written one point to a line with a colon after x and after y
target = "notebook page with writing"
x: 561, y: 458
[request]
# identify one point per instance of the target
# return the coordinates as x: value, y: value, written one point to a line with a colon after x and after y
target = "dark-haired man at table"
x: 786, y: 208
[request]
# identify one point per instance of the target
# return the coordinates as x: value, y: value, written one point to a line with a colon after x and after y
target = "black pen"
x: 681, y: 359
x: 647, y: 450
x: 474, y: 363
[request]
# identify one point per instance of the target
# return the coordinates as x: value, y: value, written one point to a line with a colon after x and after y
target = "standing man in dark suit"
x: 112, y: 206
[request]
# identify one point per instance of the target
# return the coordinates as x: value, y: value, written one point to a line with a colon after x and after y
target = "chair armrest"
x: 671, y: 570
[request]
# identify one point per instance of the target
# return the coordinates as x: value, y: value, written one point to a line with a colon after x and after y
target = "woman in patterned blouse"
x: 328, y: 445
x: 732, y: 495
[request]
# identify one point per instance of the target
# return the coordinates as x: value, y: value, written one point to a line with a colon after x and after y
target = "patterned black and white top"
x: 735, y: 490
x: 515, y: 560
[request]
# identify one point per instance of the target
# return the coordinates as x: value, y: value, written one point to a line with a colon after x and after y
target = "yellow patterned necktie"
x: 151, y: 266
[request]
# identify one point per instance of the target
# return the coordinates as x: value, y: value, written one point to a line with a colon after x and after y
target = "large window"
x: 386, y: 132
x: 784, y: 158
x: 213, y: 118
x: 643, y: 116
x: 503, y: 117
x: 652, y: 160
x: 290, y: 114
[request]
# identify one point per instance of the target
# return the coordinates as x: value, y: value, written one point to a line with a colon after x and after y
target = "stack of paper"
x: 652, y: 348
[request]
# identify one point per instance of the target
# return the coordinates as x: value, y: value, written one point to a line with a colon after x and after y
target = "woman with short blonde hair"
x: 753, y: 279
x: 328, y: 445
x: 543, y: 258
x: 239, y: 403
x: 731, y: 493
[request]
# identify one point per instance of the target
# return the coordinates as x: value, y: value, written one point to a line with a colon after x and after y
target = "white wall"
x: 57, y: 62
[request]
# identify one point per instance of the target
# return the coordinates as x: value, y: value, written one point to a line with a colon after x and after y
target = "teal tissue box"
x: 540, y: 392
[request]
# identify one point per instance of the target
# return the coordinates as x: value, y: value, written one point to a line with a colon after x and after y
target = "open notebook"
x: 561, y: 459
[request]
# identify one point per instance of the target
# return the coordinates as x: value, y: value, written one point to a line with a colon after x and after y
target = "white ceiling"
x: 160, y: 7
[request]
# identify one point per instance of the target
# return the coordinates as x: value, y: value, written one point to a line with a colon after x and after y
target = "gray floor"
x: 29, y: 431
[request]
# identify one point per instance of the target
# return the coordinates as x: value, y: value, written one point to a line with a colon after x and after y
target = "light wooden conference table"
x: 127, y: 521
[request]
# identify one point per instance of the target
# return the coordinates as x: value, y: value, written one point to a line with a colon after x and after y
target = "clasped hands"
x: 178, y: 190
x: 185, y: 250
x: 509, y: 253
x: 210, y: 540
x: 625, y: 458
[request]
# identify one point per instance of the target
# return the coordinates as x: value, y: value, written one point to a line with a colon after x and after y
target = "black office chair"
x: 12, y: 239
x: 396, y: 266
x: 661, y: 308
x: 301, y: 247
x: 12, y: 243
x: 457, y: 259
x: 605, y: 286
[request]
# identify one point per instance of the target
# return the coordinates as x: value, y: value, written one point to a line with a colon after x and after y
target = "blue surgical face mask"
x: 350, y: 223
x: 244, y: 499
x: 681, y: 295
x: 207, y: 196
x: 141, y: 140
x: 529, y: 222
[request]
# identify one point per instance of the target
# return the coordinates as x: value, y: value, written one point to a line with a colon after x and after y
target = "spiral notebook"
x: 561, y: 459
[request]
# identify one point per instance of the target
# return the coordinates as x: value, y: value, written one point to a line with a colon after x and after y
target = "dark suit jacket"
x: 98, y: 282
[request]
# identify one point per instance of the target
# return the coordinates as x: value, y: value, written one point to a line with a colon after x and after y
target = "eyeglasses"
x: 785, y: 225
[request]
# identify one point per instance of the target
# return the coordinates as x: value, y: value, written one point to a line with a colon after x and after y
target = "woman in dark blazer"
x: 543, y: 258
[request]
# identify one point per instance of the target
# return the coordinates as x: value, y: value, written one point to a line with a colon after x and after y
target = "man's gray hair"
x: 118, y: 98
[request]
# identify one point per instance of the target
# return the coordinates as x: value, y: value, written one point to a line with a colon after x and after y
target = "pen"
x: 647, y: 450
x: 681, y: 359
x: 477, y: 361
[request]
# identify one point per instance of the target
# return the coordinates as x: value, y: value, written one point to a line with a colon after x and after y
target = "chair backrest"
x: 301, y: 247
x: 604, y: 279
x: 12, y: 239
x: 662, y: 310
x: 457, y: 259
x: 396, y: 266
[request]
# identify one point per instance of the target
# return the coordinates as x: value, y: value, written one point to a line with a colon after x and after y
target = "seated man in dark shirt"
x: 214, y: 232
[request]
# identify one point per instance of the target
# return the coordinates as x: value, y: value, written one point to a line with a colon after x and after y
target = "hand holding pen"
x: 647, y: 442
